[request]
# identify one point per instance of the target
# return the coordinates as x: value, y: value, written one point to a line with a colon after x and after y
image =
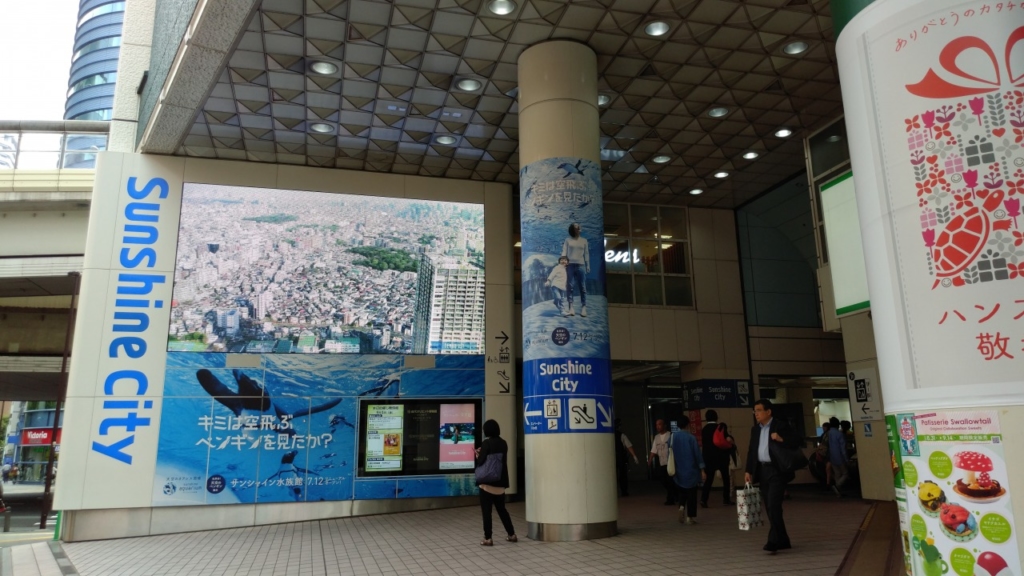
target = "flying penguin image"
x: 289, y: 469
x: 570, y: 169
x: 389, y: 385
x: 251, y: 397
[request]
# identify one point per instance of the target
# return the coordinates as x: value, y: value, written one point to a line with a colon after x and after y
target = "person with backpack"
x: 717, y: 447
x: 492, y: 479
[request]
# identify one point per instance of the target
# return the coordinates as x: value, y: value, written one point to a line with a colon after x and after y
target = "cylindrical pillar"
x: 933, y: 92
x: 570, y: 456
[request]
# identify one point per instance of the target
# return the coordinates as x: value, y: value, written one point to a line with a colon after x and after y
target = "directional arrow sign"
x: 505, y: 388
x: 605, y: 415
x: 527, y: 413
x: 503, y: 338
x: 865, y: 408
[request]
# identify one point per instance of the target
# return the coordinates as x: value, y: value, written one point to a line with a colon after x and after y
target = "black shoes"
x: 773, y: 548
x: 703, y: 504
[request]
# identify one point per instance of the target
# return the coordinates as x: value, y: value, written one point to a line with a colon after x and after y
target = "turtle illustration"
x: 960, y: 242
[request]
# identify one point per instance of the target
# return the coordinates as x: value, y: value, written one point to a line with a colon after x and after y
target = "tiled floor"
x: 446, y: 542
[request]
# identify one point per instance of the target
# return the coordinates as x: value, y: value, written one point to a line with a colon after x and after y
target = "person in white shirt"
x: 658, y: 460
x: 556, y: 280
x: 577, y: 250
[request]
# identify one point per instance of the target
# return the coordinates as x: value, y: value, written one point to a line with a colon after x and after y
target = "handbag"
x: 789, y: 460
x: 720, y: 441
x: 490, y: 471
x: 748, y: 507
x: 671, y: 467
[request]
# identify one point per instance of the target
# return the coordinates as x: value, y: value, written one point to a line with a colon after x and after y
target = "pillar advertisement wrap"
x: 948, y: 105
x: 566, y: 366
x: 957, y: 516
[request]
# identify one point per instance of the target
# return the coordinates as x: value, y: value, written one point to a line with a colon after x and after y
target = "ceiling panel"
x: 394, y: 91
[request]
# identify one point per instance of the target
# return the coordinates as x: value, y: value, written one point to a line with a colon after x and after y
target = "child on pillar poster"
x: 960, y: 514
x: 565, y: 312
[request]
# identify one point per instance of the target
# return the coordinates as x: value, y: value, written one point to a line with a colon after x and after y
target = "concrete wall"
x: 48, y: 233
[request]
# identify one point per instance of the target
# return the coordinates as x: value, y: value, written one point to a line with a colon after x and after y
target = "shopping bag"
x: 671, y: 466
x: 748, y: 507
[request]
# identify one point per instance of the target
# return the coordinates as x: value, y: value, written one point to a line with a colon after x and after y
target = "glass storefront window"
x: 648, y: 290
x: 620, y: 289
x: 673, y: 256
x: 673, y: 223
x: 41, y: 141
x: 678, y: 291
x: 644, y: 221
x: 617, y: 255
x: 646, y: 258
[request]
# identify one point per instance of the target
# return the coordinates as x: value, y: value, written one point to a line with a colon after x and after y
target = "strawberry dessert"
x: 958, y: 523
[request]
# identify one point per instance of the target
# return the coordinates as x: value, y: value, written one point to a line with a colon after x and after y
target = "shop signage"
x: 38, y: 436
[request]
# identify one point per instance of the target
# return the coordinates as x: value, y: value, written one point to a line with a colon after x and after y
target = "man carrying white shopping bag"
x: 768, y: 438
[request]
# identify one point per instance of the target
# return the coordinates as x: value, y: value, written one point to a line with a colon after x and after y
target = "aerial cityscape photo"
x: 271, y: 271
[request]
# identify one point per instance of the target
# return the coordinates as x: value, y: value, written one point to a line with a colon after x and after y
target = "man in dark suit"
x: 767, y: 438
x: 715, y: 460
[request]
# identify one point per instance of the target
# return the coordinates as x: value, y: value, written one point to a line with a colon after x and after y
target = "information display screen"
x: 418, y: 437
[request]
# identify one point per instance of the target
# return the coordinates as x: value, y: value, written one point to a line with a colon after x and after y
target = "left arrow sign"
x: 527, y: 413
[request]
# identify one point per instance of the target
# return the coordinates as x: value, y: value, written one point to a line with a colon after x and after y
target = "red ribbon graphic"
x: 933, y: 86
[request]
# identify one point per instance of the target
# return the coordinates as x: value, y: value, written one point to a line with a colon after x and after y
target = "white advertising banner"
x: 934, y: 97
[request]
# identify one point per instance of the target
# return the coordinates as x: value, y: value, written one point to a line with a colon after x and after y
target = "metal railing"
x: 51, y: 145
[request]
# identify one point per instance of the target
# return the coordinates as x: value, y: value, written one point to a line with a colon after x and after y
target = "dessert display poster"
x: 957, y: 494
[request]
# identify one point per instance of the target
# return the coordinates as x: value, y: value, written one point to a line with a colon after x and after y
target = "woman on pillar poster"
x: 564, y: 303
x: 577, y: 250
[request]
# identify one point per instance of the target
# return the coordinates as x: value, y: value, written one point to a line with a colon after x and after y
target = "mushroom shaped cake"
x: 978, y: 483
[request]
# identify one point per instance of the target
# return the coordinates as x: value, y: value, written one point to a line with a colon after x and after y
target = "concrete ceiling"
x: 394, y: 92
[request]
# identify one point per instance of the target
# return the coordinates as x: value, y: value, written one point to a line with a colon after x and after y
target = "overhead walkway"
x: 446, y: 542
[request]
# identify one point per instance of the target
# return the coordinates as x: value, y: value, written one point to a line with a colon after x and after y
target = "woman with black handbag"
x: 492, y: 479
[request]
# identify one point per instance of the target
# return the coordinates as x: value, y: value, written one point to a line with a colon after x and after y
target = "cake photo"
x: 930, y: 497
x: 977, y: 485
x: 957, y: 523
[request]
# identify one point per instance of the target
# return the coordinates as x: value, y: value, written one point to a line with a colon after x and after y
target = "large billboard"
x: 148, y: 426
x: 282, y: 271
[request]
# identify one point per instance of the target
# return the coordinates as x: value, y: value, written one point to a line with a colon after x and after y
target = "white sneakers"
x: 570, y: 312
x: 583, y: 311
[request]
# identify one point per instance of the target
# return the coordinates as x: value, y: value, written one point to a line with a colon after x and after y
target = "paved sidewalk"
x: 444, y: 542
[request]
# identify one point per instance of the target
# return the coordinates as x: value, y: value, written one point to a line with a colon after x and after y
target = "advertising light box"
x: 845, y: 251
x: 283, y: 271
x: 418, y: 437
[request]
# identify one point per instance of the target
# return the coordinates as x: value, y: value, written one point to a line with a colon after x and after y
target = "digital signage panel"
x: 418, y: 437
x: 284, y: 271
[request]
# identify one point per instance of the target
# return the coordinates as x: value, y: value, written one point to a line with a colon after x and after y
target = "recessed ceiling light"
x: 603, y: 99
x: 696, y: 192
x: 750, y: 155
x: 783, y: 133
x: 325, y: 68
x: 321, y: 128
x: 833, y: 138
x: 468, y: 85
x: 793, y: 48
x: 718, y: 111
x: 722, y: 174
x: 661, y: 159
x: 657, y: 28
x: 447, y: 140
x: 501, y: 7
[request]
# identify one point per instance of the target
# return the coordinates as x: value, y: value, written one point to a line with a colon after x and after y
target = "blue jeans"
x: 577, y: 280
x: 559, y: 296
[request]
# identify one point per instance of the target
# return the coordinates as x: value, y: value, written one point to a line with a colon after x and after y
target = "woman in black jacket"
x: 493, y: 494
